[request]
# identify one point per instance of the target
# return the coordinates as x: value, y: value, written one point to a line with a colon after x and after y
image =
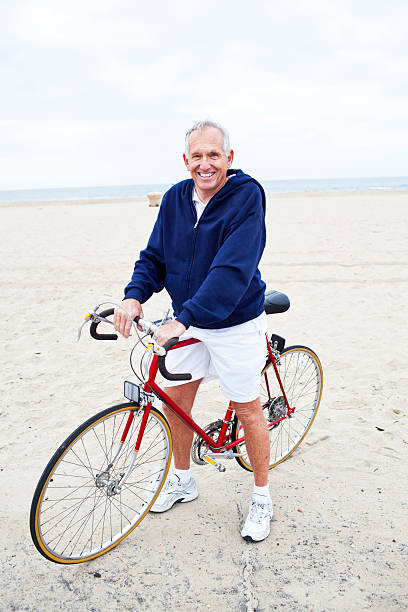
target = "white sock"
x: 264, y: 491
x: 184, y: 475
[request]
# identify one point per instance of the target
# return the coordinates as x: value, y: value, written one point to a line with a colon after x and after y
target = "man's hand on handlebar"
x: 172, y: 329
x: 121, y: 321
x: 167, y: 334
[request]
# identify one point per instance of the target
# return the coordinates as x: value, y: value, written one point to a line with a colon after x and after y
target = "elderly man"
x: 205, y: 249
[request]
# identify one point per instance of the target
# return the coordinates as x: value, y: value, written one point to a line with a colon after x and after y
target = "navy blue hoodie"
x: 209, y: 268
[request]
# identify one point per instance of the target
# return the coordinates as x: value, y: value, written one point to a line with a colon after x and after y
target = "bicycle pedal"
x: 218, y: 466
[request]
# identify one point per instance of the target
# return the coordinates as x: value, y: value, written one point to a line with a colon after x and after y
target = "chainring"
x: 199, y: 448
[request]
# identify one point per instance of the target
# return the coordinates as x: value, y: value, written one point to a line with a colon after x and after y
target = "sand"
x: 339, y: 536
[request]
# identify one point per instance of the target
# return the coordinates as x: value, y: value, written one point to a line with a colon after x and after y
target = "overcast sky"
x: 101, y: 92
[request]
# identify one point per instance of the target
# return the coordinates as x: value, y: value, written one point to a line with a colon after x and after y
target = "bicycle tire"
x: 69, y: 527
x: 302, y: 377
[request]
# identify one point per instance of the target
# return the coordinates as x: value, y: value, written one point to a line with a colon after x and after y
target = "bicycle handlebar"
x: 149, y: 328
x: 162, y: 363
x: 94, y: 325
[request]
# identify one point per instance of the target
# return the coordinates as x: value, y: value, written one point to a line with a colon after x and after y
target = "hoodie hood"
x: 238, y: 178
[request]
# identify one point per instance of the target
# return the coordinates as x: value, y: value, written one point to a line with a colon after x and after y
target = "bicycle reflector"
x: 277, y: 342
x: 131, y: 391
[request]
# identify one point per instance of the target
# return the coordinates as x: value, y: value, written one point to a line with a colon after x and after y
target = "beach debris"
x: 154, y: 198
x: 97, y: 575
x: 379, y: 428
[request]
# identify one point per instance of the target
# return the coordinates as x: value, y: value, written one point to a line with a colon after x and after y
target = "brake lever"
x: 86, y: 320
x: 93, y: 317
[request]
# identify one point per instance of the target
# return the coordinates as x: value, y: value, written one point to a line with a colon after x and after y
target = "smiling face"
x: 207, y: 162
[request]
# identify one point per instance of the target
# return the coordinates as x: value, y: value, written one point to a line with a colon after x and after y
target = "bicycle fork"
x: 114, y: 487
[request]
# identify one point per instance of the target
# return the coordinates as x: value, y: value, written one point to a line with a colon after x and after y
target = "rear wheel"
x: 302, y: 378
x: 76, y: 513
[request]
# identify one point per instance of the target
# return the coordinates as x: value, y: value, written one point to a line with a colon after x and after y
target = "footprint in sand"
x: 319, y: 439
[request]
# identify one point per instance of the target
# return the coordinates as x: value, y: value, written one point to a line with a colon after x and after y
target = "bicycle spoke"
x: 67, y: 497
x: 91, y: 470
x: 71, y: 524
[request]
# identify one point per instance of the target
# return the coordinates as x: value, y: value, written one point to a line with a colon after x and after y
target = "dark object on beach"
x: 379, y: 428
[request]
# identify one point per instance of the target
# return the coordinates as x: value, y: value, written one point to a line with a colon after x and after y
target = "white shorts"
x: 235, y: 355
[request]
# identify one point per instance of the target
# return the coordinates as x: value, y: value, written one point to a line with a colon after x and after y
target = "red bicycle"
x: 103, y: 480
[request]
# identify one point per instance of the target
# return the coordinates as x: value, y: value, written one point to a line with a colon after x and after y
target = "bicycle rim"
x: 302, y: 378
x: 73, y: 518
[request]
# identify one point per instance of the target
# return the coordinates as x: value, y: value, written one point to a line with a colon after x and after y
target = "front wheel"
x: 302, y: 378
x: 77, y: 514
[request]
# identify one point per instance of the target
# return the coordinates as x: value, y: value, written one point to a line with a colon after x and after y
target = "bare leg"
x: 256, y: 438
x: 183, y: 396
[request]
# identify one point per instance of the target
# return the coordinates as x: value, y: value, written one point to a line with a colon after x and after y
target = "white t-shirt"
x: 199, y: 206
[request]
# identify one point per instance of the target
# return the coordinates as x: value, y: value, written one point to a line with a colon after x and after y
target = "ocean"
x: 273, y: 186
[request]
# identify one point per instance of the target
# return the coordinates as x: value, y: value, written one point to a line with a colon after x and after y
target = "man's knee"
x: 248, y: 412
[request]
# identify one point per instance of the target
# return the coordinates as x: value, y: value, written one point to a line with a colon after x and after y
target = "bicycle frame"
x: 216, y: 446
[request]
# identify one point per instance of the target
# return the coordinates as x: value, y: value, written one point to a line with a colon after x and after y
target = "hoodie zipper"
x: 193, y: 254
x: 195, y: 226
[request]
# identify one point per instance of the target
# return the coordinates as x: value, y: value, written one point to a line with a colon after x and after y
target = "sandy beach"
x: 339, y: 536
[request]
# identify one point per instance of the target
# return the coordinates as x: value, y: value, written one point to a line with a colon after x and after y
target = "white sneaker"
x: 257, y: 524
x: 174, y: 492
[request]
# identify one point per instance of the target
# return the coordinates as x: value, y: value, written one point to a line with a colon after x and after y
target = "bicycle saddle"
x: 275, y: 301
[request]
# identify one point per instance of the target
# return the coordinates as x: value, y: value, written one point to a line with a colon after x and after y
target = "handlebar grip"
x: 162, y: 363
x: 94, y: 333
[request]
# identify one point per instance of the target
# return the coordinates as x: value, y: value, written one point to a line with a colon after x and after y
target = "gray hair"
x: 200, y: 126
